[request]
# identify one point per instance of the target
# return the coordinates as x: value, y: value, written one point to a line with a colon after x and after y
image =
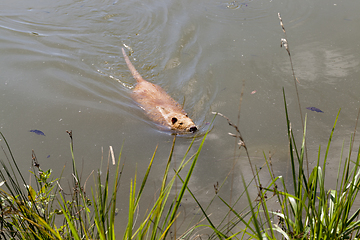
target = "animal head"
x: 178, y: 121
x: 182, y: 123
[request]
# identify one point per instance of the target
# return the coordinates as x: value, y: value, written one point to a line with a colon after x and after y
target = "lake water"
x: 62, y: 69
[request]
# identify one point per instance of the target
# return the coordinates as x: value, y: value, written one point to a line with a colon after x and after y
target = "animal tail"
x: 133, y: 71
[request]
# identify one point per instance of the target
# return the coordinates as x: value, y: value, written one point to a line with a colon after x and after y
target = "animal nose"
x: 193, y: 129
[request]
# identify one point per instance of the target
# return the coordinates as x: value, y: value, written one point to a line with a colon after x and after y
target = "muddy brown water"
x: 62, y: 69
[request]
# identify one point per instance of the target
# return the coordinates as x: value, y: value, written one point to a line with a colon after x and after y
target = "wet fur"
x: 158, y: 105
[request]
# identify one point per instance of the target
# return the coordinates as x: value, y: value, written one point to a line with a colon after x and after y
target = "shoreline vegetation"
x: 306, y: 209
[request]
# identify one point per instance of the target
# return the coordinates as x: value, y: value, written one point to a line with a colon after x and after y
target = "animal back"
x: 155, y: 102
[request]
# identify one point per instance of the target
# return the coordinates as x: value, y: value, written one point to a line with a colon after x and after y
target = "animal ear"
x: 174, y: 120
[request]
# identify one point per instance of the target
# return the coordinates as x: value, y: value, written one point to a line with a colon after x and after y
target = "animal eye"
x: 181, y: 123
x: 173, y: 120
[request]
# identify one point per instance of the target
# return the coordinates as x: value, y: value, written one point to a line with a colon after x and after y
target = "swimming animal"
x: 158, y: 105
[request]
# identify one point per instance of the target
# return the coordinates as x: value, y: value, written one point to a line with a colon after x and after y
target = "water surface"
x: 62, y: 69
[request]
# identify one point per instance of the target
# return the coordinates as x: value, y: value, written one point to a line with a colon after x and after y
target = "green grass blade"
x: 69, y: 219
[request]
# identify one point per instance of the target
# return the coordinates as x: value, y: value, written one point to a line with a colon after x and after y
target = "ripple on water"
x: 250, y: 10
x: 59, y: 45
x: 241, y: 10
x: 84, y: 39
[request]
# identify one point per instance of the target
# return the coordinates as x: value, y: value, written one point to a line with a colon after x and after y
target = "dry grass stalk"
x: 284, y: 42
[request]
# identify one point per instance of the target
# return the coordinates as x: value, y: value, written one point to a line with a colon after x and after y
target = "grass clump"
x: 34, y: 212
x: 308, y: 209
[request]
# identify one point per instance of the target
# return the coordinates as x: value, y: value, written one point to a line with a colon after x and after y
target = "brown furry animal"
x: 158, y: 105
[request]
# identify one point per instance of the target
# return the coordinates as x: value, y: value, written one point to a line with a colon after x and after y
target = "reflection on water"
x: 62, y: 69
x: 320, y: 62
